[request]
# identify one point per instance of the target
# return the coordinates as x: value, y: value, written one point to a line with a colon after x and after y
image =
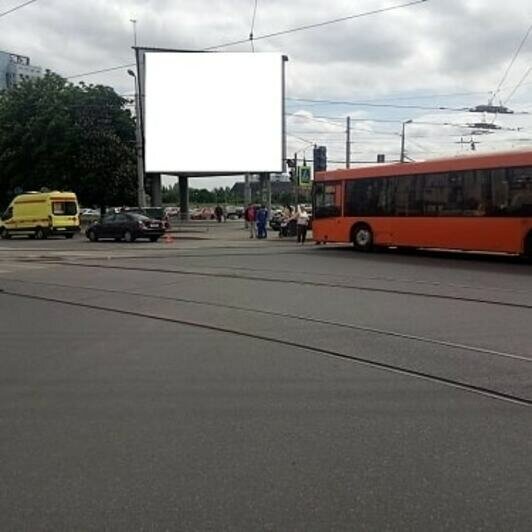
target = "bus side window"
x: 498, y: 184
x: 520, y: 191
x: 474, y: 203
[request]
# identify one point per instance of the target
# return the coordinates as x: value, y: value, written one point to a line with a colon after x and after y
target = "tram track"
x: 388, y: 367
x: 288, y: 315
x: 323, y: 284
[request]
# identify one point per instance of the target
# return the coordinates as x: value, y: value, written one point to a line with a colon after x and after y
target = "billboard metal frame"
x: 140, y: 52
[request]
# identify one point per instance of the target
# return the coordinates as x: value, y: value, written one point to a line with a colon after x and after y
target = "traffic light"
x: 293, y: 172
x: 320, y: 158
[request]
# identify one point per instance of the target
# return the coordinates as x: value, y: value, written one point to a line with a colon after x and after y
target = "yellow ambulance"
x: 40, y: 214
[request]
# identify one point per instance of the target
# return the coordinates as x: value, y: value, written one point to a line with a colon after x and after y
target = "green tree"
x: 171, y: 194
x: 58, y: 135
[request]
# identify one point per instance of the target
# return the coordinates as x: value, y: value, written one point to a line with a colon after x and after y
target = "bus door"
x: 327, y: 211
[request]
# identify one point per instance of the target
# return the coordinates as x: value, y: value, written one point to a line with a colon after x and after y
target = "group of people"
x: 257, y: 219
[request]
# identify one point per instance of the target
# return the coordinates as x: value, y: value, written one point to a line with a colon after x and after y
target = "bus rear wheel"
x: 362, y: 237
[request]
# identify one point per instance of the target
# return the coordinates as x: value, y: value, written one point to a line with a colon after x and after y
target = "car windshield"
x: 156, y: 213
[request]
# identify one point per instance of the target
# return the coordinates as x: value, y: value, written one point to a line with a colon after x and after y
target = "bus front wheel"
x: 362, y: 237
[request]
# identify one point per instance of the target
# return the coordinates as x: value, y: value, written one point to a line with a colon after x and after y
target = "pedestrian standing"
x: 302, y: 220
x: 218, y: 212
x: 250, y: 215
x: 286, y: 218
x: 262, y: 219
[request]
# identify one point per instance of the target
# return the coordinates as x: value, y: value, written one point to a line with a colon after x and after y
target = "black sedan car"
x: 126, y: 226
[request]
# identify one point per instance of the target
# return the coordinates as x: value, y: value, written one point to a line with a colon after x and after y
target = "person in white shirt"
x: 302, y: 219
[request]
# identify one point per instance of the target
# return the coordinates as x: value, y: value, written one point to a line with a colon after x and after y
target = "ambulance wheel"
x: 40, y: 234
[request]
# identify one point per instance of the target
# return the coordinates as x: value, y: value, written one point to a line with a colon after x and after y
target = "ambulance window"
x: 64, y: 208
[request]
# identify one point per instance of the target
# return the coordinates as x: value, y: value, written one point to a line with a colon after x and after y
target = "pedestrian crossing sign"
x: 303, y: 174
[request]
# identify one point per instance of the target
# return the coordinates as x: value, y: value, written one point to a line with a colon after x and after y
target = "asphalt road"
x: 219, y: 383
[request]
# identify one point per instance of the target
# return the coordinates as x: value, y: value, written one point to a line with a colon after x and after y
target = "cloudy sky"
x: 423, y: 63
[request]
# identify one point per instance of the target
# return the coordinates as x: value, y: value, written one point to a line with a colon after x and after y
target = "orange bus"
x: 475, y: 203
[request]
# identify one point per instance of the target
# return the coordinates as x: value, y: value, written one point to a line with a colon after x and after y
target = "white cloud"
x: 437, y: 47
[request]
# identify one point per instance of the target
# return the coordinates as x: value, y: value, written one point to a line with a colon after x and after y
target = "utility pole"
x: 348, y: 143
x: 403, y: 140
x: 141, y: 194
x: 296, y: 181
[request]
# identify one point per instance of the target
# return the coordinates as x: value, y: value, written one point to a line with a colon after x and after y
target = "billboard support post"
x: 268, y: 178
x: 183, y: 198
x: 156, y: 192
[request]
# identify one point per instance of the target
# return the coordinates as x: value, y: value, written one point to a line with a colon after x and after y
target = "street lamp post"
x: 141, y: 197
x: 403, y: 140
x: 134, y: 22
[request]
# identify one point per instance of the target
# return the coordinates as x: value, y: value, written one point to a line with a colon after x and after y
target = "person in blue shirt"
x: 262, y: 219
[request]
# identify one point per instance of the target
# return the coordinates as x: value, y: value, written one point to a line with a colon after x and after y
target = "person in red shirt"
x: 250, y: 215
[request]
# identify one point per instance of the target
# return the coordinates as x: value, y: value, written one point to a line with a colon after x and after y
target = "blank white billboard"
x: 213, y: 112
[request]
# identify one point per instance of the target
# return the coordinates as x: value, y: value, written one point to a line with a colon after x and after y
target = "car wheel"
x: 5, y: 234
x: 154, y: 238
x: 92, y: 236
x: 362, y: 237
x: 69, y: 235
x: 128, y: 236
x: 40, y: 234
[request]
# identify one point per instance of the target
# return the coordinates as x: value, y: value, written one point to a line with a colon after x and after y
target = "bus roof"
x: 449, y: 164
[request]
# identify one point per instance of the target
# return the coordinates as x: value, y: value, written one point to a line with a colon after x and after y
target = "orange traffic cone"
x: 168, y: 238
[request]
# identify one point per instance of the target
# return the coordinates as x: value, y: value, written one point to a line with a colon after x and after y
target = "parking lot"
x: 212, y: 381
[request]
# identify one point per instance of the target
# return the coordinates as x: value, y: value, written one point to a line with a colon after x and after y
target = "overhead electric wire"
x: 275, y: 34
x: 514, y: 58
x: 320, y: 120
x: 16, y: 8
x: 321, y: 24
x: 372, y: 104
x: 519, y: 84
x: 102, y: 71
